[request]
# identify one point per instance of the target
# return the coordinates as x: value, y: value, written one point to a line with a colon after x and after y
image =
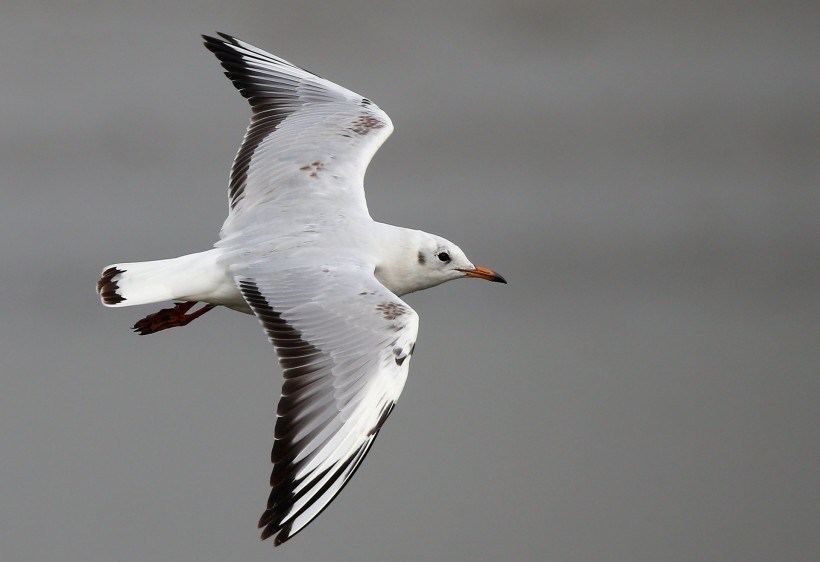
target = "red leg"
x: 170, y: 318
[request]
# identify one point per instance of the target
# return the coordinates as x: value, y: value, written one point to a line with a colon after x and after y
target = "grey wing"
x: 344, y: 343
x: 308, y: 140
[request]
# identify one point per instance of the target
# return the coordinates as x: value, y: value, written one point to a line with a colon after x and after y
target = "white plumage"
x: 301, y: 252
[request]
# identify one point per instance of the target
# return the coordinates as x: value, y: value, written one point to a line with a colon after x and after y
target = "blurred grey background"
x: 645, y: 174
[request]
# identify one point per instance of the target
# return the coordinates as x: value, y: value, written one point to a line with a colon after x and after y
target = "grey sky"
x: 644, y: 175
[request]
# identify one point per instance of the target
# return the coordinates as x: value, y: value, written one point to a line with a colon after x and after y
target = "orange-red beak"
x: 484, y: 273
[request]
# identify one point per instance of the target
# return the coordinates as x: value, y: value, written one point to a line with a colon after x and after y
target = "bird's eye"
x: 444, y: 256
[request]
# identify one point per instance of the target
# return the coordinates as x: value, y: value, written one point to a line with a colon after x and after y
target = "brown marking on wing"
x: 364, y: 124
x: 391, y: 310
x: 314, y: 168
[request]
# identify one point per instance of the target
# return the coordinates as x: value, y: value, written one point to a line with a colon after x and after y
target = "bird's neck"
x: 397, y: 266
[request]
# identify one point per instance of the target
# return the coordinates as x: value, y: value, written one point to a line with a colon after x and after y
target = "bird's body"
x: 301, y: 252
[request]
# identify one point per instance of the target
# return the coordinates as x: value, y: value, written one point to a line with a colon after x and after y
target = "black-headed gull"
x: 300, y: 251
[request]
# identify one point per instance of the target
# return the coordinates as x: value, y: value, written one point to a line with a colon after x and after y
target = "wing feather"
x: 338, y: 351
x: 305, y: 133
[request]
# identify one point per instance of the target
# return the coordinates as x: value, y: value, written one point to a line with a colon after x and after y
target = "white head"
x: 431, y: 260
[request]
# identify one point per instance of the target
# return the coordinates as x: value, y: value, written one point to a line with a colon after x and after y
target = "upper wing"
x: 343, y: 341
x: 308, y: 139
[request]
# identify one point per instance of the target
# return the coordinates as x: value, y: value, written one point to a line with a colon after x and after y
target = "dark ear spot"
x: 421, y: 258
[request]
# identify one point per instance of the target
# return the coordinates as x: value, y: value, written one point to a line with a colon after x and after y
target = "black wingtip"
x: 224, y: 37
x: 214, y: 44
x: 283, y: 533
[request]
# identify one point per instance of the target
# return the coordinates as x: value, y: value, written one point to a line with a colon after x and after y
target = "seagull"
x: 300, y: 251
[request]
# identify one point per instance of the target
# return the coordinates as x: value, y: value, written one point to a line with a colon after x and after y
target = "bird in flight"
x: 300, y: 251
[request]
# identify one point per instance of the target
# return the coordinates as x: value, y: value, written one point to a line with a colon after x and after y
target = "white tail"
x: 128, y: 284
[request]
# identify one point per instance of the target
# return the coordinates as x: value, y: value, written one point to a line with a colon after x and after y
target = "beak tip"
x: 484, y: 273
